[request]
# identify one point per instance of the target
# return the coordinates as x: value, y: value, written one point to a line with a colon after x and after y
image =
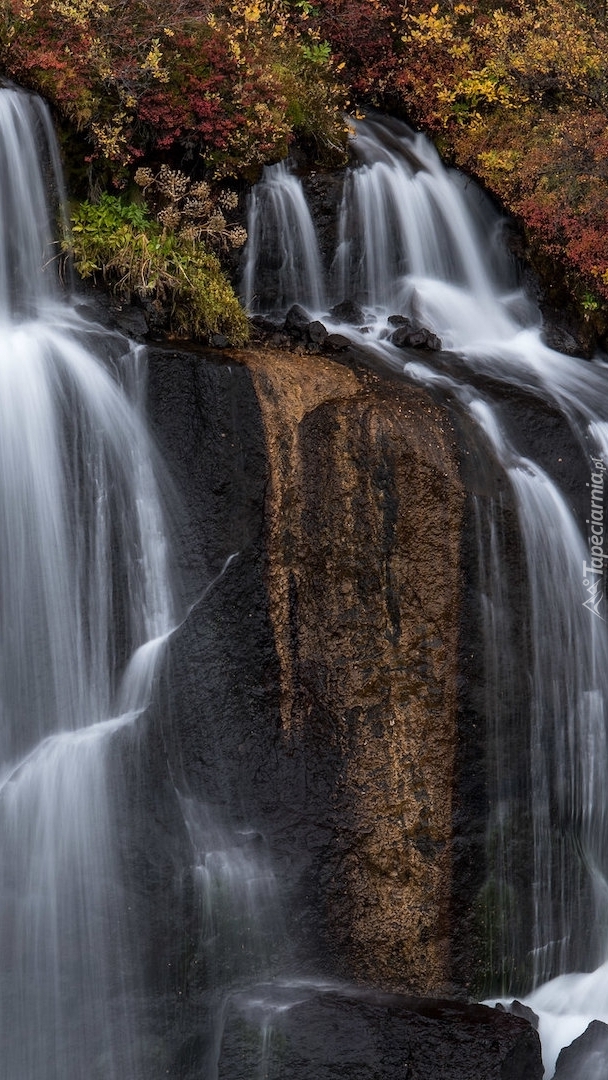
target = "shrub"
x: 216, y: 81
x: 137, y: 256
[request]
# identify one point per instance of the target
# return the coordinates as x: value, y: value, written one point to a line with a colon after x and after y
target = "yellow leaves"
x: 99, y: 59
x: 460, y: 49
x: 111, y: 137
x: 468, y: 96
x: 429, y: 29
x: 152, y: 63
x: 79, y: 12
x: 252, y: 13
x: 506, y: 160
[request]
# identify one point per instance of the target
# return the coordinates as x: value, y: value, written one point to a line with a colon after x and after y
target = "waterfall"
x: 85, y: 587
x: 413, y: 239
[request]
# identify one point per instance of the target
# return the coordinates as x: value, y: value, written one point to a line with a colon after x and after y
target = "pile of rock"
x: 298, y: 327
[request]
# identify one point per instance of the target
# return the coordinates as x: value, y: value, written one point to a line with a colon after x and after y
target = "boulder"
x: 587, y: 1057
x: 408, y: 336
x: 348, y: 311
x: 264, y: 324
x: 317, y: 333
x: 337, y: 342
x: 297, y: 321
x: 519, y: 1009
x: 329, y: 1034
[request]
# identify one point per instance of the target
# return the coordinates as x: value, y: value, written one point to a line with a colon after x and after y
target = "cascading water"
x: 84, y: 587
x: 414, y: 240
x: 86, y: 608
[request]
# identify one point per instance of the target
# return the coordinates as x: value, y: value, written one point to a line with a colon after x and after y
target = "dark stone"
x: 518, y: 1009
x: 587, y: 1057
x: 400, y: 320
x: 408, y: 336
x: 324, y: 196
x: 560, y: 339
x: 219, y: 341
x: 264, y: 324
x: 337, y: 342
x: 217, y: 724
x: 348, y: 311
x: 317, y: 333
x: 346, y: 1034
x: 98, y: 306
x: 296, y: 321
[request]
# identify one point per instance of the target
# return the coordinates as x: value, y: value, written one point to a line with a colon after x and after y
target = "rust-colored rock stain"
x: 363, y: 526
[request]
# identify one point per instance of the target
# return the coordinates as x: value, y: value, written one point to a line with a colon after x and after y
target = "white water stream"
x: 415, y: 240
x: 84, y: 586
x: 86, y: 608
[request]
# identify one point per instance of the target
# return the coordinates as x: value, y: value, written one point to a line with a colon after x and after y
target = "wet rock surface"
x: 297, y: 328
x: 309, y: 696
x: 517, y: 1008
x: 410, y: 335
x: 362, y: 526
x: 360, y: 1036
x: 587, y: 1057
x: 313, y: 684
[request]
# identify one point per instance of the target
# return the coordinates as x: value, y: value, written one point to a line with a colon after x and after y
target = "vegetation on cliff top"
x: 516, y: 93
x: 229, y: 84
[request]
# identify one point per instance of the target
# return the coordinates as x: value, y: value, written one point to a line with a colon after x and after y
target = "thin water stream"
x: 84, y: 585
x: 416, y: 240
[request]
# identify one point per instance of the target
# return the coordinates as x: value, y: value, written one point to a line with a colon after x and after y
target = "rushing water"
x: 86, y: 607
x: 413, y: 239
x: 83, y: 581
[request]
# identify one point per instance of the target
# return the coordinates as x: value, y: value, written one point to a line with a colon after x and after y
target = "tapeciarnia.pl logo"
x: 593, y: 572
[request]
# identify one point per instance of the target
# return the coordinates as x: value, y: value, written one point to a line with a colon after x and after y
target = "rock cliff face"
x: 309, y: 699
x: 345, y: 504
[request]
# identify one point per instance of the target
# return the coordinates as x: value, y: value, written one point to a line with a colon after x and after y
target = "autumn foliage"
x: 516, y: 93
x: 227, y: 85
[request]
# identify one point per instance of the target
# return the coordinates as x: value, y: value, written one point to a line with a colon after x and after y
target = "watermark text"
x: 593, y: 571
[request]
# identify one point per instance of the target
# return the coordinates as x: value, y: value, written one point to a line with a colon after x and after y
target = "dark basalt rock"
x: 225, y: 731
x: 560, y: 339
x: 409, y: 336
x: 348, y: 311
x: 337, y: 342
x: 587, y: 1057
x: 264, y: 324
x: 219, y: 341
x: 317, y: 333
x: 296, y: 321
x: 518, y: 1009
x: 355, y: 1035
